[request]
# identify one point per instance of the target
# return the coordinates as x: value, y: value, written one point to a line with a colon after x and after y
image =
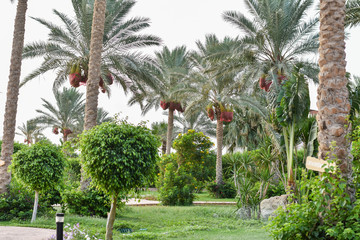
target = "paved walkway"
x: 25, y: 233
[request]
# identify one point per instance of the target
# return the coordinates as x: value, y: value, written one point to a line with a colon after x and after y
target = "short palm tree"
x: 7, y: 146
x: 160, y: 129
x: 170, y: 73
x: 31, y: 131
x: 199, y: 121
x: 62, y: 117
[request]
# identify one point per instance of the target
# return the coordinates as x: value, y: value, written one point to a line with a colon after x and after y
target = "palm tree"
x: 172, y: 68
x: 333, y: 97
x: 213, y: 91
x: 7, y: 146
x: 352, y: 18
x: 67, y: 49
x: 31, y: 131
x: 62, y: 117
x: 278, y: 37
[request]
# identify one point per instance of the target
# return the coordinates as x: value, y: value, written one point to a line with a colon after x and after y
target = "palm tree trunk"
x: 7, y: 146
x: 170, y: 130
x: 219, y: 142
x: 333, y: 96
x: 163, y: 147
x: 92, y: 86
x: 111, y: 219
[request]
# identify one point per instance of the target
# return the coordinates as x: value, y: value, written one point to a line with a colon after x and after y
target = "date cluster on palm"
x: 172, y: 106
x: 265, y: 83
x: 78, y: 77
x: 226, y: 114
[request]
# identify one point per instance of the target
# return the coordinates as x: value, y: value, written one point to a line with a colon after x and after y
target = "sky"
x: 177, y: 22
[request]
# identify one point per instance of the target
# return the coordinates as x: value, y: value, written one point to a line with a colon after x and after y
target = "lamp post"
x: 59, y: 226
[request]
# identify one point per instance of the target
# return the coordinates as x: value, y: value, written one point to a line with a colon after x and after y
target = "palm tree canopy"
x: 278, y: 36
x: 67, y: 111
x: 172, y: 67
x: 31, y: 131
x: 68, y: 45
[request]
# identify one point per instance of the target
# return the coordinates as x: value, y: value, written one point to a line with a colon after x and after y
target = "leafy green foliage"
x: 90, y: 202
x: 293, y: 99
x: 325, y: 213
x: 39, y: 166
x: 193, y: 153
x: 176, y: 185
x: 224, y: 190
x: 119, y: 156
x: 18, y: 202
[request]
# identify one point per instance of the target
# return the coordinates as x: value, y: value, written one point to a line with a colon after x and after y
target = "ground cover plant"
x: 161, y: 222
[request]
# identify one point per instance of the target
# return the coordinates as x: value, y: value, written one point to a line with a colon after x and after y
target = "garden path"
x: 25, y: 233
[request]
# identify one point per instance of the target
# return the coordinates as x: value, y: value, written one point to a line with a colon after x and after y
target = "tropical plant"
x: 333, y: 97
x: 12, y: 95
x: 31, y: 131
x: 217, y: 93
x: 39, y: 167
x: 352, y: 18
x: 64, y: 116
x: 173, y: 67
x: 293, y: 107
x: 125, y: 161
x: 278, y: 37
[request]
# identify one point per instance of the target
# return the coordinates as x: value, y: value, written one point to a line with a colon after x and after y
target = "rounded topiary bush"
x: 39, y: 167
x: 118, y: 157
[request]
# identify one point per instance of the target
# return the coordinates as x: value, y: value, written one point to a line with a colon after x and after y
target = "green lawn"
x: 160, y: 222
x: 203, y: 196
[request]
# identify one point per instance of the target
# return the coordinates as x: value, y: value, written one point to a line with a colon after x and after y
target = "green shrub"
x: 40, y: 167
x: 18, y: 203
x: 90, y: 202
x: 224, y: 190
x: 326, y: 213
x: 176, y: 186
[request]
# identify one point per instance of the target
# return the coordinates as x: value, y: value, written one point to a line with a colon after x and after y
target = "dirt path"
x: 25, y: 233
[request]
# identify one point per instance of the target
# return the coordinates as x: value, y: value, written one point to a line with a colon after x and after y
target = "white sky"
x: 177, y: 22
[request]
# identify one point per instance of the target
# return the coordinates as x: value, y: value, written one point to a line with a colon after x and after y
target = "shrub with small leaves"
x: 119, y: 157
x: 40, y: 167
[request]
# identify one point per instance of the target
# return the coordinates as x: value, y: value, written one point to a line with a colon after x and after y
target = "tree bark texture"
x: 92, y: 86
x: 170, y: 131
x: 111, y: 219
x: 7, y: 146
x: 333, y: 97
x: 219, y: 143
x: 36, y: 202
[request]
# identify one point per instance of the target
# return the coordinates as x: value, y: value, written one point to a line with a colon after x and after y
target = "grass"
x: 160, y: 222
x: 203, y: 196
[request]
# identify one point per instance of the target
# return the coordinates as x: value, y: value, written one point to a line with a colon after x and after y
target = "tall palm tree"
x: 172, y: 68
x: 333, y: 97
x: 96, y: 46
x: 213, y: 91
x: 62, y: 117
x: 7, y: 146
x: 31, y: 131
x: 352, y: 18
x: 67, y: 49
x: 278, y: 36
